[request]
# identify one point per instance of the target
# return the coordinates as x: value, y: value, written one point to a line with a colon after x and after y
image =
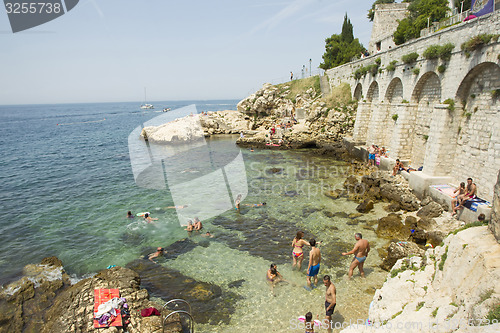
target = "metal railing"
x: 181, y: 312
x: 449, y: 21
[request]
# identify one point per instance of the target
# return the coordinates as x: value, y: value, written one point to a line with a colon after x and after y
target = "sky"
x: 112, y: 50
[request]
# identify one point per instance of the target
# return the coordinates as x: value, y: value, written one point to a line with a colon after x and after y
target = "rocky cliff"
x: 453, y: 288
x: 299, y: 113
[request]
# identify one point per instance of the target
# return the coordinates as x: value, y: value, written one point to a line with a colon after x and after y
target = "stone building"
x: 385, y: 22
x: 442, y: 115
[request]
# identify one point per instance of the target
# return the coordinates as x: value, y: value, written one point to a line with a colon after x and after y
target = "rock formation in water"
x: 45, y: 301
x: 195, y: 127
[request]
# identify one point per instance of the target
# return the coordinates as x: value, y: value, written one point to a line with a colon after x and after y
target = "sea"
x: 67, y: 182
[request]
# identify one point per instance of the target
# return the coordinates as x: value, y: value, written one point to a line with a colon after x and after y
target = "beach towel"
x: 102, y: 296
x: 473, y: 204
x: 446, y: 189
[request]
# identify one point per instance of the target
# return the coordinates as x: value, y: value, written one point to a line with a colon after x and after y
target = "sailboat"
x: 146, y: 105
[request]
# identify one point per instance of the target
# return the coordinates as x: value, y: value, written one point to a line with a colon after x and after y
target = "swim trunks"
x: 329, y: 313
x: 371, y: 156
x: 361, y: 259
x: 313, y: 271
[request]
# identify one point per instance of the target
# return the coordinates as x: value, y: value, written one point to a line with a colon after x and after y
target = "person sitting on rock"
x: 398, y: 167
x: 460, y: 191
x: 470, y: 193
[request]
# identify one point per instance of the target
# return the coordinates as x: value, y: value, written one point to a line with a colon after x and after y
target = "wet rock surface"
x: 45, y: 301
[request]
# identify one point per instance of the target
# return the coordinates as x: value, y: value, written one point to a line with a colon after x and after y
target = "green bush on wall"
x: 410, y: 57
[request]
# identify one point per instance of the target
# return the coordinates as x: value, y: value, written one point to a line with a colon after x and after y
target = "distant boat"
x: 166, y: 109
x: 146, y: 105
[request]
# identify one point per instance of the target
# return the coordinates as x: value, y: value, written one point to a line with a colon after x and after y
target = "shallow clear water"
x: 65, y: 190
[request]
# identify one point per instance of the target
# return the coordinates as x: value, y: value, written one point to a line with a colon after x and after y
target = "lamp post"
x: 310, y: 73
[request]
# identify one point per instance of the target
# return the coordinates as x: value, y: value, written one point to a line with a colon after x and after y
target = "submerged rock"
x: 365, y: 206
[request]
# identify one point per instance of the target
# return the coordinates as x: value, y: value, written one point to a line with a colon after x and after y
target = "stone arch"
x: 426, y: 94
x: 372, y: 94
x: 479, y: 127
x: 428, y: 88
x: 394, y: 92
x: 485, y: 76
x: 358, y: 92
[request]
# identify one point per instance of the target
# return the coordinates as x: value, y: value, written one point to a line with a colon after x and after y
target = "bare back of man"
x: 360, y: 251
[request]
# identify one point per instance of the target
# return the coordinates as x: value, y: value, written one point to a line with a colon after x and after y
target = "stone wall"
x: 403, y: 109
x: 494, y: 225
x: 385, y: 22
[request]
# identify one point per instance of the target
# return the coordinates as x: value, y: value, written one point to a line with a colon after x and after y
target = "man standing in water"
x: 314, y: 260
x: 360, y: 252
x: 330, y: 300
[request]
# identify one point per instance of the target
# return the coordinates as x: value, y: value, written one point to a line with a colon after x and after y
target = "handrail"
x: 183, y: 312
x: 175, y: 300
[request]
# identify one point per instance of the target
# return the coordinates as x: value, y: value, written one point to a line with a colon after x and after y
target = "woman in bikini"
x: 297, y: 253
x: 273, y: 277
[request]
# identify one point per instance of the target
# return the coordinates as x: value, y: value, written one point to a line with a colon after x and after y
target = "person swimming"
x: 149, y: 219
x: 130, y: 215
x: 160, y: 251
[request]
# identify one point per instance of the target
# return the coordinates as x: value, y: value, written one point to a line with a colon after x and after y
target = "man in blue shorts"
x: 371, y: 155
x: 314, y: 260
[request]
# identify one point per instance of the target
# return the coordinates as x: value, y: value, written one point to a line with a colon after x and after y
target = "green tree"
x: 420, y: 11
x: 347, y: 34
x: 371, y: 12
x: 341, y: 49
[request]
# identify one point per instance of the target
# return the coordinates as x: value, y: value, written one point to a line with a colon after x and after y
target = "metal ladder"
x: 180, y: 312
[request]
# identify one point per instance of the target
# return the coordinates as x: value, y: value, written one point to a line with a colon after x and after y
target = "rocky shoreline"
x: 44, y: 300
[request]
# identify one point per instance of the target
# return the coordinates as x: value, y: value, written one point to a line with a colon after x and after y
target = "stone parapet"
x: 494, y: 224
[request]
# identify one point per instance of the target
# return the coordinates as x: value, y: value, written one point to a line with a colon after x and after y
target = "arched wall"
x: 478, y: 141
x: 425, y: 95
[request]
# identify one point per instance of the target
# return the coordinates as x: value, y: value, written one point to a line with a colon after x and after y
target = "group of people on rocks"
x: 360, y: 252
x: 374, y: 154
x: 462, y: 194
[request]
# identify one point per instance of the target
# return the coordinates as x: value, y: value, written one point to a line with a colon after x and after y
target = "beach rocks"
x: 398, y: 250
x: 431, y: 209
x: 365, y: 206
x: 391, y: 226
x: 457, y: 286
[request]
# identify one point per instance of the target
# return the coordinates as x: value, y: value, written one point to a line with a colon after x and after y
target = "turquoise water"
x: 67, y: 184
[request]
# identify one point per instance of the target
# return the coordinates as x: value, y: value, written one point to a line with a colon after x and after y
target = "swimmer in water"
x: 149, y: 219
x: 130, y: 215
x: 189, y: 227
x: 256, y: 205
x: 159, y: 252
x: 197, y: 224
x: 176, y: 207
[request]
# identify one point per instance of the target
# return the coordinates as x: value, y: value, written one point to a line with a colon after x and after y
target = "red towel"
x: 150, y: 312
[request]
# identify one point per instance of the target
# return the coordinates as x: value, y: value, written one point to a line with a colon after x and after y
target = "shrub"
x: 410, y: 58
x: 426, y: 137
x: 477, y: 42
x: 416, y: 71
x: 441, y: 68
x: 445, y: 51
x: 420, y: 305
x: 451, y: 104
x: 392, y: 66
x: 494, y: 314
x: 432, y: 52
x: 495, y: 93
x: 395, y: 117
x: 435, y: 312
x: 378, y: 61
x: 404, y: 101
